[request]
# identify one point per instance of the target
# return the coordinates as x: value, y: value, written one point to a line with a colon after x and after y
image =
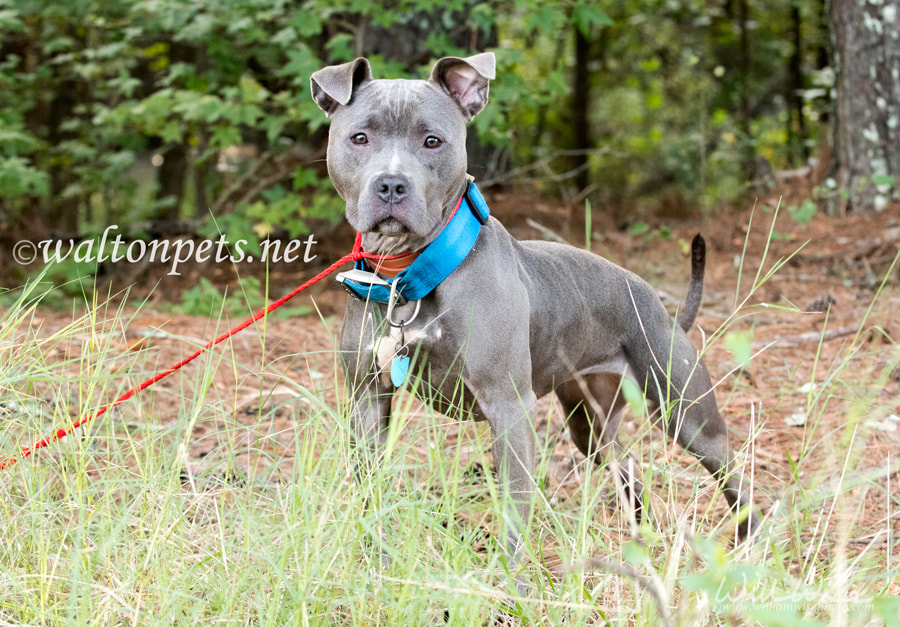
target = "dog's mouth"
x: 390, y: 226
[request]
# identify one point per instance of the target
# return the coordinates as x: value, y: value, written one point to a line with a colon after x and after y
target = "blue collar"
x: 434, y: 264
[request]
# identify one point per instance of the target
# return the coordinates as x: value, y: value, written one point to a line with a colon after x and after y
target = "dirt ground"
x: 843, y: 262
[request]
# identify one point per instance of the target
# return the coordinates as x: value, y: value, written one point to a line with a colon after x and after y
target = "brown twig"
x: 824, y: 336
x: 283, y: 166
x: 517, y: 175
x: 549, y: 234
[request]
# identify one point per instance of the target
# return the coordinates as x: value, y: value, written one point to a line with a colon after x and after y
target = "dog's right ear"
x: 334, y: 85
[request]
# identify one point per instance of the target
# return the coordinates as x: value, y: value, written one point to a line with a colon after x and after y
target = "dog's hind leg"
x: 593, y: 407
x: 676, y: 380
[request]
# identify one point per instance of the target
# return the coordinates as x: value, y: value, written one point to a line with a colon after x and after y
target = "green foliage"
x: 19, y: 178
x: 90, y: 91
x: 804, y: 213
x: 675, y: 107
x: 888, y: 609
x: 18, y: 175
x: 639, y: 228
x: 107, y: 85
x: 647, y: 233
x: 722, y: 579
x: 740, y: 345
x: 311, y: 197
x: 237, y: 226
x: 207, y: 301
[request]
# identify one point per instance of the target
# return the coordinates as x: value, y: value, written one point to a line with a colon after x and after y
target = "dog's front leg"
x: 369, y: 394
x: 370, y: 411
x: 513, y: 448
x: 369, y: 398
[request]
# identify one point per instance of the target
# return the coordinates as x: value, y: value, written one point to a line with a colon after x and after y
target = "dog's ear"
x: 334, y: 85
x: 466, y: 80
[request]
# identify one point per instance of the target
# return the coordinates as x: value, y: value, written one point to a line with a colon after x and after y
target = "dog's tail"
x: 688, y: 313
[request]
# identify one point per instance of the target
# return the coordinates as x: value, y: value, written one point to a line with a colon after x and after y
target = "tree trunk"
x: 174, y: 170
x: 62, y: 212
x: 581, y: 100
x: 866, y: 39
x: 171, y: 176
x: 824, y: 51
x: 745, y: 63
x: 796, y: 121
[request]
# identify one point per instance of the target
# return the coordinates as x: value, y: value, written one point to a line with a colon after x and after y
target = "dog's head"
x: 397, y: 148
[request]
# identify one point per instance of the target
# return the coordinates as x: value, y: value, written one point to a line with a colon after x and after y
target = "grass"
x: 120, y: 524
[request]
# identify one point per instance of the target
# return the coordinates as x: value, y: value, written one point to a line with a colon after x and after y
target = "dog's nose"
x: 391, y: 189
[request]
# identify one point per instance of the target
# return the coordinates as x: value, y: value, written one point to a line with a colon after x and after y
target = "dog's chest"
x: 399, y: 347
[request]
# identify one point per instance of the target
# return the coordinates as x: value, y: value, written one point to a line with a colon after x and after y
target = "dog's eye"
x: 432, y: 142
x: 359, y: 139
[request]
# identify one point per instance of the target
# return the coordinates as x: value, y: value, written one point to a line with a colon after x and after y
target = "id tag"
x: 399, y: 370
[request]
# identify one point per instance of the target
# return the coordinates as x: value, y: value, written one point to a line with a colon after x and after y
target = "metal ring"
x: 393, y: 299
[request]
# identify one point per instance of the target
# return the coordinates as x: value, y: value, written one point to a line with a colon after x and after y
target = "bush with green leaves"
x: 681, y: 95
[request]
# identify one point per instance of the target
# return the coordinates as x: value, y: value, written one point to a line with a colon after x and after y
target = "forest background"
x: 185, y: 118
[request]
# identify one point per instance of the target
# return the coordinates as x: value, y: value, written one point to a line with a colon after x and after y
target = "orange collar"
x: 392, y: 265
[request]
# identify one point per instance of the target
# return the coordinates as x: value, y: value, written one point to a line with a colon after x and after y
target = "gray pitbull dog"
x: 515, y: 320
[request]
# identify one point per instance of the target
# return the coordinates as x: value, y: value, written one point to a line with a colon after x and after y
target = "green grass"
x: 118, y: 525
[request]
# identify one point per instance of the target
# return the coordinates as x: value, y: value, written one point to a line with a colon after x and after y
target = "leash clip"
x: 359, y: 276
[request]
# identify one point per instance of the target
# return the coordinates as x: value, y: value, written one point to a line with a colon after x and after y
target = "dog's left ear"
x: 466, y: 80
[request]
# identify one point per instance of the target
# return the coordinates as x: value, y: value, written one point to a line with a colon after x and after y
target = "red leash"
x: 356, y: 255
